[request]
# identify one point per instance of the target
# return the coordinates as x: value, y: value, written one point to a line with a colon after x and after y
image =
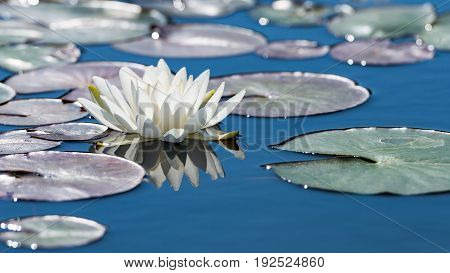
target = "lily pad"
x: 69, y: 131
x: 197, y: 8
x: 196, y: 41
x: 288, y: 94
x: 15, y: 32
x: 291, y: 13
x: 438, y: 34
x: 293, y: 50
x: 400, y: 161
x: 381, y: 52
x: 18, y: 142
x: 26, y: 57
x: 384, y: 21
x: 50, y: 231
x: 88, y: 22
x: 66, y: 76
x: 6, y: 93
x: 34, y: 112
x: 66, y: 176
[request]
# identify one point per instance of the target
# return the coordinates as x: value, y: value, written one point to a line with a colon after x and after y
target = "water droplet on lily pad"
x: 66, y: 176
x: 69, y: 131
x: 66, y: 77
x: 17, y: 142
x: 6, y: 93
x: 400, y: 161
x: 33, y: 112
x: 288, y: 94
x: 50, y: 231
x: 292, y: 50
x: 196, y: 41
x: 384, y: 21
x: 438, y: 34
x: 197, y: 8
x: 291, y: 13
x: 382, y: 52
x: 26, y: 57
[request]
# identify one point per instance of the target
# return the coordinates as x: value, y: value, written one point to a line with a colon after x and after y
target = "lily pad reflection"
x: 164, y: 161
x: 292, y: 50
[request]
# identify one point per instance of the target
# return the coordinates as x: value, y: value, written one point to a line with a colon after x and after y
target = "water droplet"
x: 350, y: 61
x: 155, y: 35
x: 268, y: 167
x: 363, y: 63
x: 305, y: 187
x: 263, y: 21
x: 349, y: 37
x: 34, y: 246
x: 428, y: 27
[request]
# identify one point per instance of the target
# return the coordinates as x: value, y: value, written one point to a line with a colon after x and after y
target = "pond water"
x: 251, y: 209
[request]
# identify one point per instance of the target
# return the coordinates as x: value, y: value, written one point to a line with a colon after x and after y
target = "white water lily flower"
x: 160, y: 105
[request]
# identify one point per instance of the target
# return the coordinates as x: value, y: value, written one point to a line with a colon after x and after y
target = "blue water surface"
x: 251, y: 209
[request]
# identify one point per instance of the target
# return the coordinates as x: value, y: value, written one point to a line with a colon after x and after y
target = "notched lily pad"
x: 49, y: 232
x: 34, y: 112
x: 26, y: 57
x: 196, y: 41
x: 6, y: 93
x: 400, y: 161
x: 384, y: 21
x: 437, y: 34
x: 292, y: 50
x: 288, y: 94
x: 66, y: 176
x: 17, y: 142
x: 381, y: 52
x: 197, y: 8
x: 69, y: 131
x: 66, y: 76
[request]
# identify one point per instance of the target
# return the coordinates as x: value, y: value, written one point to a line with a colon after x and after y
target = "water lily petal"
x: 174, y: 135
x: 226, y: 108
x: 203, y: 81
x: 122, y: 117
x: 100, y: 114
x: 147, y: 128
x: 199, y: 119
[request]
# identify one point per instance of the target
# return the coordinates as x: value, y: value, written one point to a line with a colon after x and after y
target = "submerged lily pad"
x: 33, y: 112
x: 197, y: 8
x: 66, y: 76
x: 438, y: 34
x: 290, y: 13
x: 381, y: 52
x: 6, y: 93
x: 88, y: 22
x: 293, y: 49
x: 50, y: 231
x: 371, y: 160
x: 26, y: 57
x: 385, y: 21
x: 66, y: 176
x: 69, y: 131
x: 196, y: 41
x: 15, y: 31
x: 288, y: 94
x: 18, y: 142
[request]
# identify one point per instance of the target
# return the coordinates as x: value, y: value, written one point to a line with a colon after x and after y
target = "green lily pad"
x: 15, y: 31
x: 197, y: 8
x: 400, y: 161
x: 289, y: 13
x: 26, y: 57
x: 87, y: 22
x: 289, y: 94
x: 438, y: 34
x: 385, y: 21
x: 6, y: 93
x: 50, y: 231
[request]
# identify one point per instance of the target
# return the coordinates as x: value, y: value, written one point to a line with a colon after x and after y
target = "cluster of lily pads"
x: 34, y: 40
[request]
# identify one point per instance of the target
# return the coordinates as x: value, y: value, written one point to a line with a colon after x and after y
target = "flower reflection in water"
x: 169, y: 161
